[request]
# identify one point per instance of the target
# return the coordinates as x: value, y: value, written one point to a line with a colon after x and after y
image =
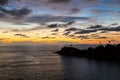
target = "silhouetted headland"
x: 100, y: 52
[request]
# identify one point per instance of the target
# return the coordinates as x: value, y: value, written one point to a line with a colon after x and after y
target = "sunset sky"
x: 60, y: 21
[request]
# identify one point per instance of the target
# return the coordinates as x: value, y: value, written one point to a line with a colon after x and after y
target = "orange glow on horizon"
x: 56, y: 40
x: 9, y: 38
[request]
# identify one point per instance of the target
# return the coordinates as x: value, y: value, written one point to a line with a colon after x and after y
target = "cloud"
x: 85, y: 31
x: 59, y: 1
x: 95, y: 11
x: 72, y: 29
x: 102, y: 11
x: 103, y: 37
x: 22, y: 35
x: 56, y: 25
x: 83, y: 37
x: 68, y: 19
x: 3, y: 2
x: 48, y: 4
x: 74, y: 10
x: 52, y: 25
x: 91, y: 0
x: 37, y: 18
x: 54, y: 34
x: 48, y: 37
x: 67, y: 33
x: 51, y: 18
x: 109, y: 28
x: 98, y: 28
x: 56, y: 30
x: 71, y: 22
x: 112, y: 29
x: 10, y: 13
x: 15, y: 13
x: 95, y: 27
x: 38, y: 12
x: 115, y: 24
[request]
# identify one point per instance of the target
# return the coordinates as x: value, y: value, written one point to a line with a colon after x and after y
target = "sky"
x: 60, y: 21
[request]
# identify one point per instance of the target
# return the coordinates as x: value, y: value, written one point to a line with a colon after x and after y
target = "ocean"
x: 39, y: 62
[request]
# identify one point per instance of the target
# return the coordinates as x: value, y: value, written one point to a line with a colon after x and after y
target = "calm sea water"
x: 38, y: 62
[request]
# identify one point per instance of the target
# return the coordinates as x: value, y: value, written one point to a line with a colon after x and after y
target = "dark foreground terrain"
x: 108, y: 51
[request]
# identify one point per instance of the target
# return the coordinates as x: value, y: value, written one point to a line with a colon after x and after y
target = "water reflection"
x: 36, y: 63
x: 86, y: 69
x: 30, y: 66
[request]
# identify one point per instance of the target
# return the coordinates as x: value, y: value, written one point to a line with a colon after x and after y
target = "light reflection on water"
x: 30, y: 67
x: 34, y: 63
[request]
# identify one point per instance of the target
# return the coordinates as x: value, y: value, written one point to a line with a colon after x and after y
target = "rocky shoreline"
x: 100, y: 52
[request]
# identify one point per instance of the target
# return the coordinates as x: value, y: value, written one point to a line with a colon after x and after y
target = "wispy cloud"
x: 47, y: 37
x: 21, y: 35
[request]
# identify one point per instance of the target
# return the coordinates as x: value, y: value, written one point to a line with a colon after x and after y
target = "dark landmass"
x: 108, y: 51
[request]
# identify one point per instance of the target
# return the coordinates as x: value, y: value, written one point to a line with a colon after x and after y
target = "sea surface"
x: 39, y: 62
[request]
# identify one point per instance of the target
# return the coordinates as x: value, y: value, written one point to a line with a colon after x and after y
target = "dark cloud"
x: 115, y: 24
x: 38, y: 18
x: 91, y: 0
x: 49, y: 18
x: 96, y: 36
x: 72, y: 29
x: 112, y: 29
x: 56, y: 25
x: 52, y: 25
x: 95, y: 27
x: 59, y: 1
x: 98, y: 28
x: 73, y: 36
x: 109, y: 28
x: 17, y: 14
x: 103, y: 37
x: 71, y: 22
x: 67, y: 33
x: 68, y: 19
x: 12, y: 14
x: 85, y: 31
x: 74, y: 10
x: 53, y: 18
x: 83, y: 37
x: 56, y: 30
x: 48, y: 37
x: 22, y: 35
x: 3, y: 2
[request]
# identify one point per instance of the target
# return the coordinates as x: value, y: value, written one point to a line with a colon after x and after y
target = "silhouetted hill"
x: 100, y: 52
